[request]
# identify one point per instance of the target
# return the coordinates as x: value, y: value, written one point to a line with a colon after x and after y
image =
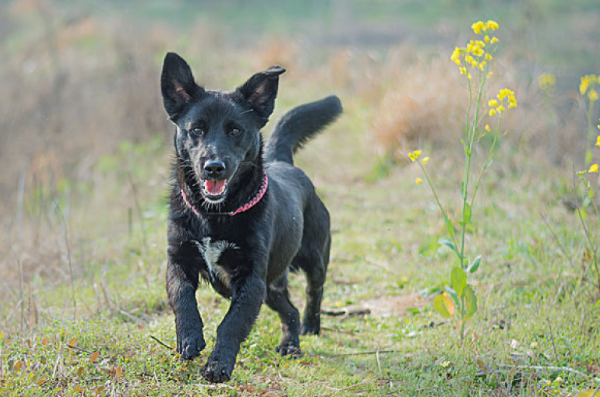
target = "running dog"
x: 241, y: 215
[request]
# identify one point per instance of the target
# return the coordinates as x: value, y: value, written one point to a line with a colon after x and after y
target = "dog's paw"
x: 310, y: 329
x: 289, y: 349
x: 190, y: 346
x: 217, y: 372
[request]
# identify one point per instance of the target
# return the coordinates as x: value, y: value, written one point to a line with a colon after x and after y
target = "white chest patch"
x: 211, y: 252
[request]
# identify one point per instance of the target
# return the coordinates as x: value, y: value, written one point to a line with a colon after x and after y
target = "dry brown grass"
x: 277, y: 51
x: 422, y: 105
x: 427, y: 101
x: 65, y: 108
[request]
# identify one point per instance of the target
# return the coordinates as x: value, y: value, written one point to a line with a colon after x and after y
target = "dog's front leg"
x: 181, y: 287
x: 246, y: 301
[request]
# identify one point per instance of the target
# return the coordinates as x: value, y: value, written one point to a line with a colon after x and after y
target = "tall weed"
x: 459, y: 301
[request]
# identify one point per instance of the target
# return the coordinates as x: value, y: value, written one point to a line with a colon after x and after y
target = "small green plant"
x: 587, y: 89
x: 459, y: 301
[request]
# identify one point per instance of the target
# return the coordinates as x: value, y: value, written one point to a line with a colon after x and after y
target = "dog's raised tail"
x: 298, y: 125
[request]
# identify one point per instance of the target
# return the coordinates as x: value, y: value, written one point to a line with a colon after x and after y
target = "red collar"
x: 243, y: 208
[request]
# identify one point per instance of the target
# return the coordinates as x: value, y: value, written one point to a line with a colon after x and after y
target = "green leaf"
x: 458, y: 280
x: 444, y: 306
x: 450, y: 227
x: 470, y: 302
x: 583, y: 213
x: 475, y: 265
x: 466, y: 215
x: 453, y: 295
x: 448, y: 243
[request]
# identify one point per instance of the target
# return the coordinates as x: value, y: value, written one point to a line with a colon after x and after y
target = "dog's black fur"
x: 246, y: 257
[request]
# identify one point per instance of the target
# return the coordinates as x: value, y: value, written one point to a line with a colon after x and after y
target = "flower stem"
x: 470, y: 139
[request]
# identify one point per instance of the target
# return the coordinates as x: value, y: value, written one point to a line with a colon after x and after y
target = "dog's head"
x: 218, y: 132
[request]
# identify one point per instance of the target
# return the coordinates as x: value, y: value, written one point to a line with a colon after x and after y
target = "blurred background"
x: 85, y: 143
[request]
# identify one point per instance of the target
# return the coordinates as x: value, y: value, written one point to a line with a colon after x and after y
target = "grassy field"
x: 110, y: 331
x: 84, y: 309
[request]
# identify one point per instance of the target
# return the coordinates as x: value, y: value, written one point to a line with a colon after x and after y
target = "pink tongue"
x: 215, y: 187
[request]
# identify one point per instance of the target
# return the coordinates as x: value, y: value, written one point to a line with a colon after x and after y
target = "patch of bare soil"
x: 383, y: 306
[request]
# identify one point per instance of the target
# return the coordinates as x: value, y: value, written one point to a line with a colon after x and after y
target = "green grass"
x: 536, y: 322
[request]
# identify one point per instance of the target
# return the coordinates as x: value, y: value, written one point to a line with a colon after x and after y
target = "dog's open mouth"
x: 214, y: 190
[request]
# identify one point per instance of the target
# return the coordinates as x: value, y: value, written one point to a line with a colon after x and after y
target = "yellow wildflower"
x: 598, y: 141
x: 593, y: 169
x: 492, y: 25
x: 593, y: 95
x: 493, y: 103
x: 492, y: 112
x: 414, y: 155
x: 478, y: 27
x: 546, y: 81
x: 494, y: 40
x: 456, y: 56
x: 425, y: 160
x: 584, y: 84
x: 418, y: 181
x: 505, y: 92
x: 487, y: 127
x: 490, y: 74
x: 474, y: 53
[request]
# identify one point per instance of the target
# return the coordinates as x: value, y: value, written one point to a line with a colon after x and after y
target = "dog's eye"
x: 198, y: 131
x: 235, y: 131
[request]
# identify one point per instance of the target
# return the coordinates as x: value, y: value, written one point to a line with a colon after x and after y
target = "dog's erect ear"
x: 177, y: 84
x: 261, y: 89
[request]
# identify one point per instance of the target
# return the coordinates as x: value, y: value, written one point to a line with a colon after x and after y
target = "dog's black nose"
x: 214, y: 168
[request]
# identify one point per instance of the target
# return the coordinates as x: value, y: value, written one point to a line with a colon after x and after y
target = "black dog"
x: 239, y: 217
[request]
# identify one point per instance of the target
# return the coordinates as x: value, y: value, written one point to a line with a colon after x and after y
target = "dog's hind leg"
x: 314, y: 266
x: 315, y: 278
x: 278, y: 299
